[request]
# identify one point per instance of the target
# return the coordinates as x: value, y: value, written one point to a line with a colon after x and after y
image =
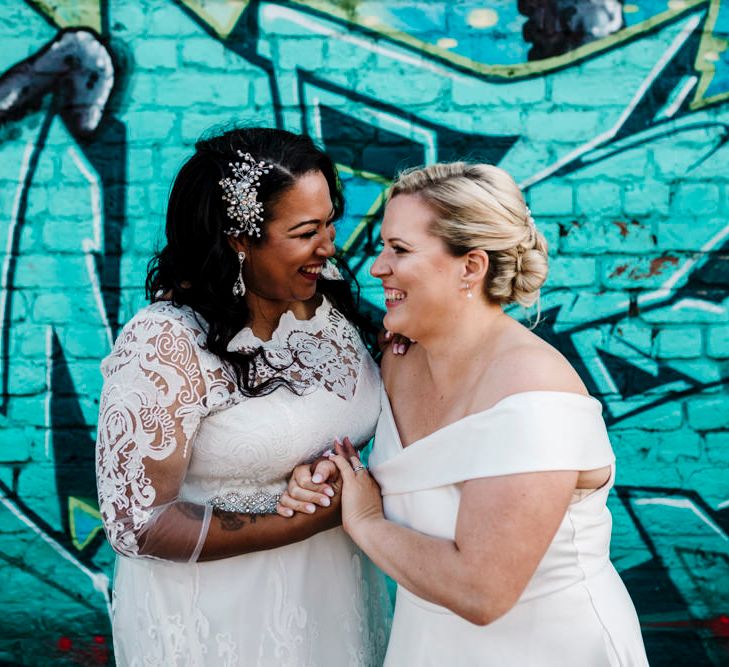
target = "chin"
x: 395, y: 324
x: 306, y: 293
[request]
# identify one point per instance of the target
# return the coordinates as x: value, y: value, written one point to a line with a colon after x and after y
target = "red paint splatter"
x: 95, y: 653
x: 656, y: 267
x: 624, y: 227
x: 659, y: 262
x: 719, y: 626
x: 619, y: 270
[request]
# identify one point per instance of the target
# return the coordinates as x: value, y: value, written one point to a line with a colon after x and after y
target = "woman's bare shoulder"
x: 530, y: 364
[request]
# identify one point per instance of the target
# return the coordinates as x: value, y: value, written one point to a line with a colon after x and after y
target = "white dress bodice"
x: 575, y: 609
x: 254, y: 445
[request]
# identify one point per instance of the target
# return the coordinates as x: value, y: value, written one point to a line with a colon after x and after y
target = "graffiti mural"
x: 612, y: 116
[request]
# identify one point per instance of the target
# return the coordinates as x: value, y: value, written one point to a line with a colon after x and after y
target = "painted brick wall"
x: 612, y: 116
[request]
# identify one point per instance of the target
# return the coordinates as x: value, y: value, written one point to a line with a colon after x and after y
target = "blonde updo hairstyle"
x: 479, y: 206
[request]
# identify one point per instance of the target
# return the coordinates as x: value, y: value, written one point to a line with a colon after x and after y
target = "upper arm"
x: 151, y: 405
x: 505, y: 525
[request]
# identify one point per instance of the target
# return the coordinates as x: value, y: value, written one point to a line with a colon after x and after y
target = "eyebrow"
x: 305, y: 222
x: 396, y: 239
x: 311, y: 222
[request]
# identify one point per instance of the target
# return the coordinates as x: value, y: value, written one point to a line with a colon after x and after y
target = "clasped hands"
x: 332, y: 480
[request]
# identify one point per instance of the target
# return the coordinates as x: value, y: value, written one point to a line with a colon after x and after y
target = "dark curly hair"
x: 197, y: 267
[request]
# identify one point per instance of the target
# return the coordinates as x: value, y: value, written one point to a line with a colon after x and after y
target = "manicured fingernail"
x: 288, y: 512
x: 310, y: 509
x: 317, y: 479
x: 327, y: 452
x: 388, y: 335
x: 329, y: 492
x: 326, y: 502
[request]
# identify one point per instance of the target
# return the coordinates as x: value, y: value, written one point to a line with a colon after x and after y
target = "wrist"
x: 364, y: 531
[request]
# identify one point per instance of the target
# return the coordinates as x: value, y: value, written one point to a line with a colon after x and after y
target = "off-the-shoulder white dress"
x: 165, y: 398
x: 575, y: 611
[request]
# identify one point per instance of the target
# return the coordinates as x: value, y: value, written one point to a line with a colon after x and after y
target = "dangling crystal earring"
x: 239, y: 287
x: 469, y: 293
x: 330, y: 271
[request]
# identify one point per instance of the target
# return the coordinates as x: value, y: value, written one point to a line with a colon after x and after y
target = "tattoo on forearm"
x: 233, y: 520
x: 229, y: 520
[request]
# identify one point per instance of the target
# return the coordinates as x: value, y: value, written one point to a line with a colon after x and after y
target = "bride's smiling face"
x: 421, y: 279
x: 298, y: 240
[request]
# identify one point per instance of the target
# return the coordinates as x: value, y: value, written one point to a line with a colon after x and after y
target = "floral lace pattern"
x: 154, y: 396
x: 322, y: 352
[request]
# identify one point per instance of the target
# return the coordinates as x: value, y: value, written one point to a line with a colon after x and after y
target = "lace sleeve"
x: 153, y: 399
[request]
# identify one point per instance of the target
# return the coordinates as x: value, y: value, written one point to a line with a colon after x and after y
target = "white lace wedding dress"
x: 168, y: 404
x: 575, y: 611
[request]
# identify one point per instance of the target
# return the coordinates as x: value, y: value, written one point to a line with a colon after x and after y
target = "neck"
x: 452, y: 351
x: 266, y: 313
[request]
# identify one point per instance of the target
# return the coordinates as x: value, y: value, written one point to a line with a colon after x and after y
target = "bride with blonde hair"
x: 486, y: 494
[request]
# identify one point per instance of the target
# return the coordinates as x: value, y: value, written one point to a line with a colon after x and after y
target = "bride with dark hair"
x: 248, y: 361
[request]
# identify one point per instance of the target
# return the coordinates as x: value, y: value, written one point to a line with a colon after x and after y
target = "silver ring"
x: 359, y: 467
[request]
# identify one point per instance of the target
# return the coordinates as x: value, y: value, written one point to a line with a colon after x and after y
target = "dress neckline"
x: 287, y: 323
x: 387, y: 407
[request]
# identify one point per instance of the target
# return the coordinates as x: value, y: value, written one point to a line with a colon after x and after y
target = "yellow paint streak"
x: 374, y: 207
x: 220, y: 15
x: 371, y: 21
x: 71, y: 14
x: 515, y: 71
x: 709, y: 52
x: 78, y: 505
x: 370, y: 176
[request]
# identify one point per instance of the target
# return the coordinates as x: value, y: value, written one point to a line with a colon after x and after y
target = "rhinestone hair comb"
x: 240, y: 191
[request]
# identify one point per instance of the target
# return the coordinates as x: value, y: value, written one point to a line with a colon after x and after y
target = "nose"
x: 380, y: 268
x: 326, y: 247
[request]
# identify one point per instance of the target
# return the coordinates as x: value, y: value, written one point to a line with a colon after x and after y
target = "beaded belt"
x: 260, y: 502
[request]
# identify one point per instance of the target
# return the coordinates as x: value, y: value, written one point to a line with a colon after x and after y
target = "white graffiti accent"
x: 603, y: 138
x: 272, y: 13
x: 683, y: 503
x: 688, y: 85
x: 92, y: 246
x: 665, y: 289
x: 4, y: 287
